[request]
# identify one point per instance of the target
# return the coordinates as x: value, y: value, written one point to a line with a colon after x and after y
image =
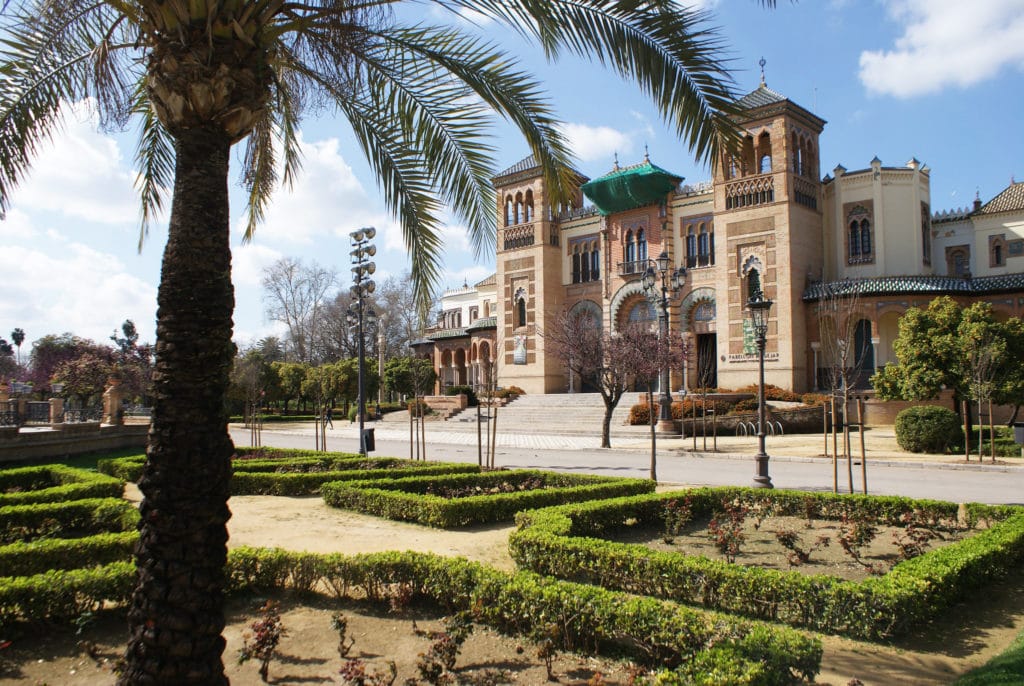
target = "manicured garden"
x: 679, y: 584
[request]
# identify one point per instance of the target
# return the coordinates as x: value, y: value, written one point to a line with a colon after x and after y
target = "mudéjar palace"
x: 768, y: 217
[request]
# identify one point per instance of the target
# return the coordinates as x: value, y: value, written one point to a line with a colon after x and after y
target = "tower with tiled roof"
x: 767, y: 213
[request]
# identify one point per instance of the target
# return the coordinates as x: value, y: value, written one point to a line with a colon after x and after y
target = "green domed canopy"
x: 634, y: 186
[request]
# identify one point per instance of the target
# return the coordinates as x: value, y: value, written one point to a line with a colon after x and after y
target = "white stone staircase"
x: 560, y: 414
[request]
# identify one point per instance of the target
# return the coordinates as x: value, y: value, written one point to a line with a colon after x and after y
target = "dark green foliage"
x: 411, y: 499
x: 566, y: 542
x: 54, y: 483
x: 928, y: 429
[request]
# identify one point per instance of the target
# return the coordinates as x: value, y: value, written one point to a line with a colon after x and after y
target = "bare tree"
x: 646, y: 354
x: 839, y: 311
x: 595, y: 356
x: 294, y: 295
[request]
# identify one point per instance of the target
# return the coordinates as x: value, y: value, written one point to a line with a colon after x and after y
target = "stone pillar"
x: 112, y: 403
x: 56, y: 412
x: 875, y: 340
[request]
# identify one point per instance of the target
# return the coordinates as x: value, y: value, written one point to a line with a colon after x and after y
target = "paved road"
x: 952, y: 482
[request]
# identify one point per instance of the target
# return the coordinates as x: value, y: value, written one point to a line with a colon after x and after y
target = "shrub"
x: 744, y: 406
x: 772, y: 392
x: 928, y: 429
x: 815, y: 398
x: 468, y: 391
x: 509, y: 392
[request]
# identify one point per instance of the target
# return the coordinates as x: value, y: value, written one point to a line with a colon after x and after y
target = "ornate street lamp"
x: 362, y: 286
x: 759, y: 308
x: 660, y: 286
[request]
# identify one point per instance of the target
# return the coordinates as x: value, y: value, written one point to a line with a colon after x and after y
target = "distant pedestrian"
x: 328, y: 415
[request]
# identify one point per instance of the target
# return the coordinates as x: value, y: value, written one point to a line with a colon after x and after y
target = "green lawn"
x: 1005, y: 669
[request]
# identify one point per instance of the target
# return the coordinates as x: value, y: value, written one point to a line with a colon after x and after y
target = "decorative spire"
x: 647, y: 157
x: 616, y: 167
x: 762, y: 62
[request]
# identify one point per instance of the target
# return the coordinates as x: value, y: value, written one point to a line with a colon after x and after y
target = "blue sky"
x: 939, y: 80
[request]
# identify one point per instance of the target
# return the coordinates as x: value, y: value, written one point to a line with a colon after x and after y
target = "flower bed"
x: 53, y: 483
x: 412, y: 499
x: 567, y: 542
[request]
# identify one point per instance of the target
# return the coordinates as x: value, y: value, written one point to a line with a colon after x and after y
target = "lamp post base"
x: 761, y: 479
x: 667, y: 428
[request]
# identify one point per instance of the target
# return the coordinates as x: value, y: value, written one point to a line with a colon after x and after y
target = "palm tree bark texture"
x: 176, y: 614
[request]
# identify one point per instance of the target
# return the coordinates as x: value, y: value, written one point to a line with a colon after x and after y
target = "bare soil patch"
x: 761, y: 546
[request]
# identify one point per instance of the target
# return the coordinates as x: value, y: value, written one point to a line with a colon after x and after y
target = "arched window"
x: 961, y: 266
x: 576, y: 266
x: 854, y: 239
x: 529, y: 206
x: 630, y: 255
x: 863, y: 353
x: 641, y: 245
x: 508, y: 210
x: 520, y: 308
x: 519, y: 208
x: 703, y: 246
x: 764, y: 151
x: 691, y: 247
x: 997, y: 254
x: 865, y: 237
x: 641, y: 312
x: 595, y: 262
x: 585, y: 265
x: 754, y: 284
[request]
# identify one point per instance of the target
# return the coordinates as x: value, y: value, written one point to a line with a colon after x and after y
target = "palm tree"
x: 18, y: 337
x: 203, y: 75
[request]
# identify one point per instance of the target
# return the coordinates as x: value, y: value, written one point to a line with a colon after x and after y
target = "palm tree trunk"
x: 177, y: 612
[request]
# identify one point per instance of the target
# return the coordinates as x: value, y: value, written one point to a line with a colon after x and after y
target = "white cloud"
x: 594, y: 143
x: 249, y: 262
x: 946, y: 43
x: 16, y: 225
x: 81, y: 174
x: 51, y: 288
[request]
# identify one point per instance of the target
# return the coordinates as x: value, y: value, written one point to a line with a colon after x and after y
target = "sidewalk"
x: 880, y: 443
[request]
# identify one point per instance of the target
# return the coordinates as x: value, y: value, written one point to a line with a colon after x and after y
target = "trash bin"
x: 368, y: 442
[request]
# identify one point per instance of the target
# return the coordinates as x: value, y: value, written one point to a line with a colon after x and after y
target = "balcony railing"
x: 518, y: 237
x: 750, y: 191
x: 632, y: 268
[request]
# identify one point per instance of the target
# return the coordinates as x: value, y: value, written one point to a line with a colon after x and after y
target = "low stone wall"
x: 70, y: 439
x: 447, y: 405
x: 799, y: 420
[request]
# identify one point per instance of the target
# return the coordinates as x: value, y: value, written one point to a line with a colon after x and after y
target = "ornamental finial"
x: 762, y: 62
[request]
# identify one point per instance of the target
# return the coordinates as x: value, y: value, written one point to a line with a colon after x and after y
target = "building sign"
x: 519, y: 352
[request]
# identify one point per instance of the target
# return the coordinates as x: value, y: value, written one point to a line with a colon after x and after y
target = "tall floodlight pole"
x: 362, y: 286
x: 661, y: 285
x: 759, y: 308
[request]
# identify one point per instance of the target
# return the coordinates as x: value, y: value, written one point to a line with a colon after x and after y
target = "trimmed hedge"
x: 656, y: 633
x: 565, y: 542
x: 409, y: 500
x: 305, y: 475
x: 653, y: 632
x: 63, y: 594
x: 53, y: 483
x: 311, y: 483
x: 90, y: 516
x: 37, y: 557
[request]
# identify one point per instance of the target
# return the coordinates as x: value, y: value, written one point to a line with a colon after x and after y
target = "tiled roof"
x: 910, y: 285
x: 1010, y: 200
x: 483, y: 323
x: 528, y: 162
x: 759, y: 98
x: 447, y: 333
x: 489, y: 281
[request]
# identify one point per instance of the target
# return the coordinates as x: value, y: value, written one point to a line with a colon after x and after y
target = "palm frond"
x: 154, y: 155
